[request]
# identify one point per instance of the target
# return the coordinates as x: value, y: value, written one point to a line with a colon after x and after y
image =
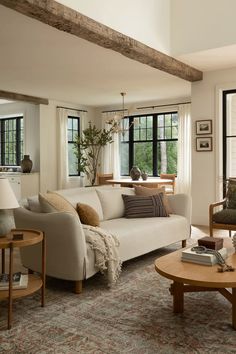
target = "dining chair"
x: 103, y: 177
x: 169, y: 188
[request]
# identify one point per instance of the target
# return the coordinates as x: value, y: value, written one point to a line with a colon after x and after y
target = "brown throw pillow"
x: 144, y: 191
x: 144, y: 207
x: 51, y: 202
x: 87, y: 215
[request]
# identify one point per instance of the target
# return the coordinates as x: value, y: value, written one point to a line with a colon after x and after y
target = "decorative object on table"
x: 214, y: 243
x: 26, y: 164
x: 203, y: 127
x: 135, y: 173
x: 203, y: 255
x: 234, y: 241
x: 144, y: 175
x: 204, y: 144
x: 7, y: 201
x: 88, y: 147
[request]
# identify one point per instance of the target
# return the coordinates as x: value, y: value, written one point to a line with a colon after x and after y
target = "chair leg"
x: 230, y: 233
x: 183, y: 243
x: 78, y: 286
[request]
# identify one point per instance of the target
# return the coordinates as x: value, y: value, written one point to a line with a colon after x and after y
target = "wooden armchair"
x: 102, y: 178
x: 216, y: 220
x: 170, y: 188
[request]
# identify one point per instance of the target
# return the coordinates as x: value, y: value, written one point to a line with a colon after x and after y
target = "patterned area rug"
x: 134, y: 317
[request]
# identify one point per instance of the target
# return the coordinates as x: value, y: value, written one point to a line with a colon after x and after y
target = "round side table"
x: 18, y: 238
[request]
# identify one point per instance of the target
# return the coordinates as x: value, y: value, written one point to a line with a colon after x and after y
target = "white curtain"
x: 183, y: 183
x: 63, y: 179
x: 110, y: 160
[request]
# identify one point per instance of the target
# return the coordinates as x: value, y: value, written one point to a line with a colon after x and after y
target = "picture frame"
x: 204, y: 143
x: 203, y: 127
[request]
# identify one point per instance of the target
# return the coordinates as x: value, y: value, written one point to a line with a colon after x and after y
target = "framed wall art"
x: 204, y: 143
x: 203, y: 127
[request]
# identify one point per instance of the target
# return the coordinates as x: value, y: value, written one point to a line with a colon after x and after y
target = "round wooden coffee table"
x: 191, y: 277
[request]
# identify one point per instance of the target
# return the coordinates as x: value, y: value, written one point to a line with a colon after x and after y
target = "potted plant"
x: 88, y: 149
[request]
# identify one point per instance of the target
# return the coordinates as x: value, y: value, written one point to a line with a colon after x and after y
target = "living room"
x: 41, y: 61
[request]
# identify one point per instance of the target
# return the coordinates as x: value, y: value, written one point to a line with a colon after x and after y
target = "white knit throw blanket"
x: 105, y: 246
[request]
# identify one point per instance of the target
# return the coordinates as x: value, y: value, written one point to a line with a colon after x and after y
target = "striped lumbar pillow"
x: 144, y: 206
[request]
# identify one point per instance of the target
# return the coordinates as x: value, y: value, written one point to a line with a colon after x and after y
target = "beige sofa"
x: 68, y: 255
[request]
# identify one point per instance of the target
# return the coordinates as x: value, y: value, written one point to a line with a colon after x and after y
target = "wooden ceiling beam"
x: 68, y: 20
x: 20, y: 97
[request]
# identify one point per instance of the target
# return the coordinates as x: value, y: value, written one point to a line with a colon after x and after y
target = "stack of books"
x: 202, y: 258
x: 19, y: 281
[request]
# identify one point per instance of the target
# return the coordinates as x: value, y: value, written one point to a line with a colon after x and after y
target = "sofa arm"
x: 181, y: 204
x: 65, y: 243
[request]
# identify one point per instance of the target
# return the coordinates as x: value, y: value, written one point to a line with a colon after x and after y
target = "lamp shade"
x: 7, y: 196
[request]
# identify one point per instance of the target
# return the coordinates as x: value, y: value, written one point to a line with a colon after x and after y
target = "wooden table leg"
x: 234, y: 308
x: 178, y: 297
x: 43, y: 270
x: 10, y: 288
x: 3, y: 260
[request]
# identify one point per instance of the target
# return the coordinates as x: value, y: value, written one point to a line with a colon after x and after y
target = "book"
x: 21, y: 285
x: 202, y: 258
x: 4, y: 279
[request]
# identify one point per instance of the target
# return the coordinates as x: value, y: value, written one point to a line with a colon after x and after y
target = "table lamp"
x: 7, y: 201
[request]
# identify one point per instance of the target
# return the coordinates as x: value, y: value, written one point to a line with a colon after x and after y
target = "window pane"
x: 231, y: 157
x: 160, y: 120
x: 167, y: 157
x: 69, y: 123
x: 175, y: 132
x: 124, y: 153
x: 72, y: 160
x: 69, y: 137
x: 143, y: 156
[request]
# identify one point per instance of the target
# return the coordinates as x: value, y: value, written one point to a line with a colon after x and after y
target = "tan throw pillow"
x: 51, y: 202
x: 144, y: 206
x: 144, y: 191
x: 87, y: 214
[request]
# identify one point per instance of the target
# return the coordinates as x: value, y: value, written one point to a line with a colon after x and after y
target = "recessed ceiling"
x: 39, y: 60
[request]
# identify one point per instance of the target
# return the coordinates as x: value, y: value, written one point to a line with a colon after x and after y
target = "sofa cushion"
x: 112, y: 202
x: 140, y: 190
x: 140, y: 236
x: 87, y: 214
x: 33, y: 204
x: 85, y: 195
x: 144, y: 206
x: 51, y: 202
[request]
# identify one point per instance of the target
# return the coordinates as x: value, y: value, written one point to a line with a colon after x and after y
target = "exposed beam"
x: 68, y: 20
x: 19, y: 97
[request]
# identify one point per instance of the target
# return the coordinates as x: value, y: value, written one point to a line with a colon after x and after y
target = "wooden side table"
x: 35, y: 282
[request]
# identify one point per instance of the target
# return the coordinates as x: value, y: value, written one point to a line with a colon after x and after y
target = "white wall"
x: 198, y: 25
x: 48, y: 144
x: 31, y: 127
x: 148, y: 24
x: 207, y: 166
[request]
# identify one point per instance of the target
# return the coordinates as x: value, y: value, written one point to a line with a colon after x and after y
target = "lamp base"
x: 6, y: 222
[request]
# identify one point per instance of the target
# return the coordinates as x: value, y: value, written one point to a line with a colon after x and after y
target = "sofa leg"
x: 78, y: 286
x: 184, y: 243
x: 30, y: 271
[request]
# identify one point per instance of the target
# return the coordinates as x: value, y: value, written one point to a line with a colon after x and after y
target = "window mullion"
x: 155, y: 154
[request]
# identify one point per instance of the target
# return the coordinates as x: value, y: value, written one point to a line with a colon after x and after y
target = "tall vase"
x: 26, y: 164
x: 135, y: 173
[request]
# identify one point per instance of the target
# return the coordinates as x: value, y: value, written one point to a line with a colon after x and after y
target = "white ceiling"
x: 39, y: 60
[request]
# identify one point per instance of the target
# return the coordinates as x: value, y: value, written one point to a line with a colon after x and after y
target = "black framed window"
x: 229, y: 134
x: 150, y: 143
x: 11, y: 140
x: 73, y: 130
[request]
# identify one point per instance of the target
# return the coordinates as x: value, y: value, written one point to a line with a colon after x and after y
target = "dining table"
x: 154, y: 182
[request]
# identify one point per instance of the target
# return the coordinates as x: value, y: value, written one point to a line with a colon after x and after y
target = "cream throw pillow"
x: 51, y: 202
x: 144, y: 191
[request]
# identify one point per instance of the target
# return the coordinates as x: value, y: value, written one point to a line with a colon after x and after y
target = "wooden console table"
x: 35, y: 282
